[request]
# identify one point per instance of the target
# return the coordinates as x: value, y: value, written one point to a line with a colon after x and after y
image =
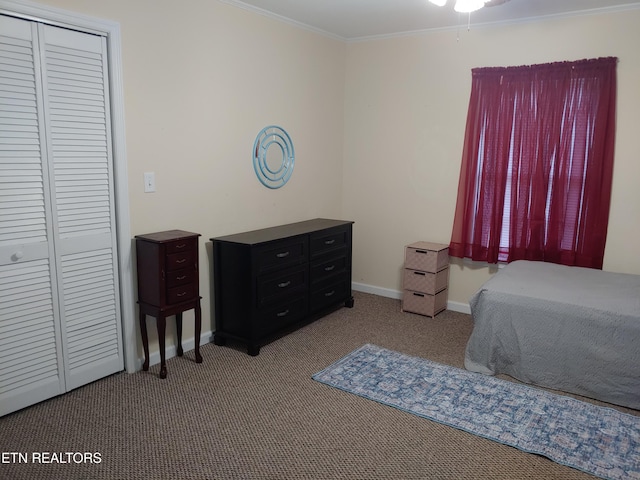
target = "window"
x: 537, y: 164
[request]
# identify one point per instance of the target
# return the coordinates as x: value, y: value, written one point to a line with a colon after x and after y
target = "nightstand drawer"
x: 181, y: 277
x: 182, y: 293
x: 177, y: 261
x: 180, y: 246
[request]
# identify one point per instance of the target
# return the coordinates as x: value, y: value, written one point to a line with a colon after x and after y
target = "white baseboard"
x: 459, y: 307
x: 396, y: 294
x: 205, y: 337
x: 382, y: 292
x: 170, y: 352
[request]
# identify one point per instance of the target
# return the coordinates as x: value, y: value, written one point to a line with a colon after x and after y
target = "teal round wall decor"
x: 273, y: 156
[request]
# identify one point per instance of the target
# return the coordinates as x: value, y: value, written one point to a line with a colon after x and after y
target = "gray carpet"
x: 241, y: 417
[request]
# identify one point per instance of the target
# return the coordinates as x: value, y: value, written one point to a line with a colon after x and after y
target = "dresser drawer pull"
x: 419, y: 273
x: 329, y: 294
x: 421, y: 251
x: 330, y: 242
x: 182, y: 260
x: 284, y: 284
x: 418, y: 294
x: 182, y: 245
x: 282, y: 255
x: 329, y: 268
x: 283, y: 314
x: 181, y: 294
x: 181, y: 277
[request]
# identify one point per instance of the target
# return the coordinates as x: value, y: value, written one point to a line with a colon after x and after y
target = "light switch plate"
x: 149, y: 182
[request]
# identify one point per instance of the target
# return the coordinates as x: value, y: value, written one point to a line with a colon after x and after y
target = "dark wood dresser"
x: 272, y: 280
x: 168, y: 284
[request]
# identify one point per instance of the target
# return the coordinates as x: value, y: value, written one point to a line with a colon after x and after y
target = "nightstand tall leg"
x: 162, y: 323
x: 179, y: 333
x: 198, y: 322
x: 145, y: 339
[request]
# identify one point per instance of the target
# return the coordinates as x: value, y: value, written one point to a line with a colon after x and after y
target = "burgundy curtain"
x: 537, y: 163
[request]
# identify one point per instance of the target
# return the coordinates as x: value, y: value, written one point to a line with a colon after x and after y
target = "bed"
x: 566, y: 328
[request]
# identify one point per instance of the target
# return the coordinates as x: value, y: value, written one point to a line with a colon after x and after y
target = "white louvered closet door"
x: 60, y: 322
x: 31, y: 363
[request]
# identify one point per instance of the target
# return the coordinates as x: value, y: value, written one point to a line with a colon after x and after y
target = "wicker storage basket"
x: 423, y: 303
x: 426, y: 256
x: 425, y: 282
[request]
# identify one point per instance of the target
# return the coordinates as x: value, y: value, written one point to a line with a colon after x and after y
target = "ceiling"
x: 359, y: 19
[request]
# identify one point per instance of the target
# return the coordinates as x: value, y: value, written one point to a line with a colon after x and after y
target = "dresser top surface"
x: 167, y: 236
x: 254, y: 237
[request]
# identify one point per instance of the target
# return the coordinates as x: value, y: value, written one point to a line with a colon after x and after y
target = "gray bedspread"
x: 567, y: 328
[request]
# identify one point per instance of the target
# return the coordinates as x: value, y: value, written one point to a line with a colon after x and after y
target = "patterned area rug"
x: 597, y: 440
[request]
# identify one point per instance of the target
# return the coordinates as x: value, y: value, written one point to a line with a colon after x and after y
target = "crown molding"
x: 281, y: 18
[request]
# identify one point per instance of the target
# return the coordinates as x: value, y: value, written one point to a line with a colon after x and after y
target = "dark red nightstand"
x: 168, y: 285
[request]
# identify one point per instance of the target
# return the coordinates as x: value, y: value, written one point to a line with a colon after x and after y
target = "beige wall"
x: 201, y: 79
x: 405, y: 113
x: 377, y: 125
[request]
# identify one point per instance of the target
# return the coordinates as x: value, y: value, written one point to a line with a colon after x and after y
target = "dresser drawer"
x: 281, y: 254
x: 328, y: 267
x: 182, y: 293
x: 176, y: 261
x: 330, y: 294
x: 181, y: 277
x: 273, y: 286
x: 328, y: 240
x: 281, y: 315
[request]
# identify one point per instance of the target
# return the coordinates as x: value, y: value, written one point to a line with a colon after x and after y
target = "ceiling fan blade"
x: 495, y: 3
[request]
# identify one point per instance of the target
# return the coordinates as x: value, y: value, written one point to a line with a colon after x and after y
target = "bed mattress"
x: 567, y: 328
